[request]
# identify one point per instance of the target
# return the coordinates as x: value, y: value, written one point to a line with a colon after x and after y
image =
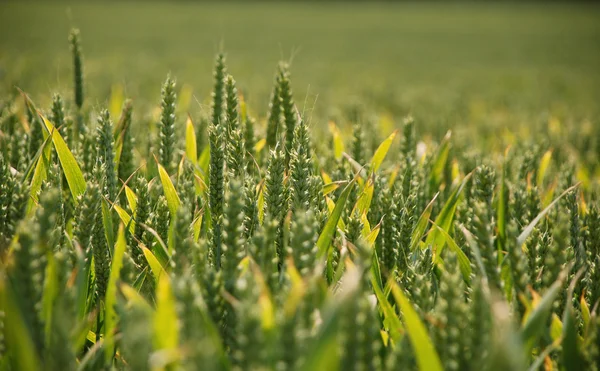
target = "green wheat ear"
x: 274, y: 118
x: 216, y: 133
x: 249, y: 143
x: 167, y: 125
x: 301, y: 169
x: 126, y: 164
x: 276, y: 195
x: 58, y: 115
x: 106, y: 154
x: 77, y: 77
x: 290, y: 114
x: 303, y: 241
x: 77, y: 66
x: 452, y: 314
x: 27, y: 275
x: 235, y: 152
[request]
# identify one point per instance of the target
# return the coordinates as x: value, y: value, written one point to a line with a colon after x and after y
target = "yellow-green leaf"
x: 190, y: 141
x: 261, y: 202
x: 169, y: 190
x: 116, y: 100
x: 556, y: 328
x: 260, y: 145
x: 544, y: 163
x: 330, y: 187
x: 197, y: 225
x: 155, y: 266
x: 338, y: 143
x: 125, y: 218
x: 166, y: 326
x: 382, y: 151
x: 363, y: 204
x: 131, y: 199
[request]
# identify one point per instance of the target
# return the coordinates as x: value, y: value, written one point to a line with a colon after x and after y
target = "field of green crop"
x: 343, y: 187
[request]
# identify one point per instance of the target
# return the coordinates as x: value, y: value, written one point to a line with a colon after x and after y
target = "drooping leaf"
x: 463, y: 261
x: 67, y: 161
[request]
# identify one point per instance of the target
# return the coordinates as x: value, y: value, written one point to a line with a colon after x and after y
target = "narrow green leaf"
x: 110, y: 316
x: 326, y: 235
x: 107, y: 222
x: 67, y: 161
x: 445, y: 217
x: 391, y: 319
x: 463, y: 261
x: 437, y: 169
x: 421, y: 225
x: 538, y: 319
x: 427, y: 357
x: 39, y: 174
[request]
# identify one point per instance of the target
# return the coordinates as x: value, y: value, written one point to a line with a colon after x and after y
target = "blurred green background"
x: 492, y: 65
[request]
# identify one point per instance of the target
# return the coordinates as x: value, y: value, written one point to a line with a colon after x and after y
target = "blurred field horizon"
x: 502, y: 63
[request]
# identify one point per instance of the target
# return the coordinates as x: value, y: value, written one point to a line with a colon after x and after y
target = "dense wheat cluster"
x: 234, y: 242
